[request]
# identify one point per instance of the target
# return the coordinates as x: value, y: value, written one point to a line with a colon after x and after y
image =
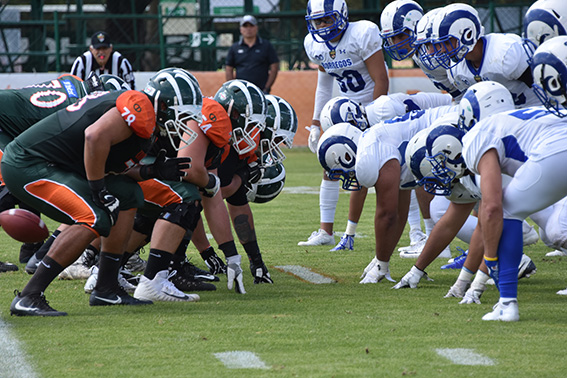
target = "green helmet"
x: 281, y: 126
x: 113, y: 83
x: 269, y: 186
x: 177, y: 99
x: 246, y: 107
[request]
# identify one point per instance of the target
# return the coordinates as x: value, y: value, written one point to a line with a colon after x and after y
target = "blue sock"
x: 510, y: 250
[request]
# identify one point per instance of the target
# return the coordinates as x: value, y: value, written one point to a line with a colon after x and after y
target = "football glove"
x: 234, y: 274
x: 412, y: 278
x: 251, y: 173
x: 103, y: 199
x: 164, y: 168
x: 213, y: 261
x: 212, y: 187
x: 314, y: 134
x: 377, y: 273
x: 93, y: 83
x: 458, y: 289
x: 260, y: 273
x: 471, y: 296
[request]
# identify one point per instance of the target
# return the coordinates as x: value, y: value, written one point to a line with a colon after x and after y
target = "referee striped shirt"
x: 116, y: 65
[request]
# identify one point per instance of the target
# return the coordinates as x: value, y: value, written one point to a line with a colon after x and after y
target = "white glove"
x: 314, y: 134
x: 458, y: 289
x: 234, y: 274
x: 472, y: 295
x: 377, y: 273
x: 411, y: 279
x: 369, y: 267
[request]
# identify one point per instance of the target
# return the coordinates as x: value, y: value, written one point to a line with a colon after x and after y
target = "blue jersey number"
x: 350, y: 81
x: 529, y: 113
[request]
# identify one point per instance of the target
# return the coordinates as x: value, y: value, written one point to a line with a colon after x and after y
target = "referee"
x: 103, y: 60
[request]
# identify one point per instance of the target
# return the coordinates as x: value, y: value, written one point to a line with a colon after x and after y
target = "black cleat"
x: 32, y: 264
x: 192, y: 273
x: 7, y: 267
x: 32, y: 305
x: 27, y: 250
x: 116, y: 297
x: 186, y: 284
x: 260, y: 273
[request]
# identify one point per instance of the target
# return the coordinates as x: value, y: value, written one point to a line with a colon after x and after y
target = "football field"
x: 316, y: 320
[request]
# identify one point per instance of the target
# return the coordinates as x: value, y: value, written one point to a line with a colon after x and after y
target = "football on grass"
x: 23, y: 225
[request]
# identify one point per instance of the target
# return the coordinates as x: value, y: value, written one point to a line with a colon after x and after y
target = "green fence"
x: 186, y: 33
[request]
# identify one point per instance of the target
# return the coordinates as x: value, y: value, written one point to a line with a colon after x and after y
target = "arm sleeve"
x: 323, y: 92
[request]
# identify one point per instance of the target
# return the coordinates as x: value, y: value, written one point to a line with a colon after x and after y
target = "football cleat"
x: 527, y: 267
x: 32, y: 264
x: 318, y: 237
x: 93, y: 278
x: 32, y: 305
x: 7, y: 267
x: 506, y: 312
x: 457, y: 262
x: 193, y: 273
x: 562, y: 292
x: 557, y: 252
x: 135, y: 263
x: 187, y: 284
x: 160, y: 288
x: 346, y: 242
x: 416, y: 236
x: 116, y: 297
x: 80, y: 269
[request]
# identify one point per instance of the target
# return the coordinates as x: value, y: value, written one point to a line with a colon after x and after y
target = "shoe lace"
x: 169, y: 284
x: 40, y: 301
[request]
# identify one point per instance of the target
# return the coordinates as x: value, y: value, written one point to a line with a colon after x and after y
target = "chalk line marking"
x: 463, y: 356
x: 305, y: 274
x: 241, y: 359
x: 13, y: 362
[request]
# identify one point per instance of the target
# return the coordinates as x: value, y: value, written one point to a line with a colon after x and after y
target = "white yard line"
x: 463, y: 356
x: 241, y: 359
x: 13, y: 361
x: 305, y: 274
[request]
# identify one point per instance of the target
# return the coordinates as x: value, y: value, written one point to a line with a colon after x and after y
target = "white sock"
x: 328, y: 199
x: 429, y: 223
x: 351, y: 228
x: 414, y: 217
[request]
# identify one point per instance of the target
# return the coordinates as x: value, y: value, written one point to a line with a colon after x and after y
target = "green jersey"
x: 21, y: 108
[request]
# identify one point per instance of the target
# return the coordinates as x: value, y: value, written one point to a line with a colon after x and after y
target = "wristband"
x: 97, y: 185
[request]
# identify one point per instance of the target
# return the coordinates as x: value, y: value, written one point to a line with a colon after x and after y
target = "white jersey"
x: 504, y: 61
x: 439, y: 77
x: 398, y: 104
x: 346, y: 63
x: 388, y: 140
x: 517, y: 135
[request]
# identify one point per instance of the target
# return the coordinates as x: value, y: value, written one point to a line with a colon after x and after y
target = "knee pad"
x: 239, y: 197
x: 144, y: 225
x: 185, y: 215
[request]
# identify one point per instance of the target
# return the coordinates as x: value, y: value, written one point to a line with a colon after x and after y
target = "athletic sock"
x: 328, y: 199
x: 158, y: 260
x: 108, y: 268
x: 46, y: 272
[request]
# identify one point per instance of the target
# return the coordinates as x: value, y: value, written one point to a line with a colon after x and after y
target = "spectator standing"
x: 253, y: 58
x: 102, y: 59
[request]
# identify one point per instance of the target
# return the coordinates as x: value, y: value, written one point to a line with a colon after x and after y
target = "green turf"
x: 298, y: 329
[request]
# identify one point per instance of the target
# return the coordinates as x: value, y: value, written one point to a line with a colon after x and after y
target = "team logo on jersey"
x: 70, y: 88
x: 332, y: 54
x: 477, y: 78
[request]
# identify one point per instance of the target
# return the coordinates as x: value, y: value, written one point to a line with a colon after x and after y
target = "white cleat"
x: 562, y: 292
x: 556, y: 253
x: 162, y: 289
x: 93, y: 278
x: 504, y: 312
x: 319, y: 237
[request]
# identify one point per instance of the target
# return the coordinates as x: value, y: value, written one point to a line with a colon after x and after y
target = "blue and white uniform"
x: 440, y: 78
x: 388, y: 140
x: 504, y: 61
x: 346, y: 62
x: 398, y: 104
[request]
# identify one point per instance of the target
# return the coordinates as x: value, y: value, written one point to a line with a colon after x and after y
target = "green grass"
x: 298, y: 329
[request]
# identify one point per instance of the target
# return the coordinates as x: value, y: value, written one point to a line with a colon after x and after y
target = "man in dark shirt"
x: 254, y: 58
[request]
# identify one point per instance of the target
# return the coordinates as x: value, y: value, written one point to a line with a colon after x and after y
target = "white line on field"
x: 13, y: 362
x: 306, y: 274
x: 463, y: 356
x: 240, y: 359
x: 312, y: 190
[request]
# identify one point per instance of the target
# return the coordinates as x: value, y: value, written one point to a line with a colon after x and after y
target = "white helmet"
x: 482, y: 100
x: 544, y: 20
x: 400, y: 17
x: 416, y: 160
x: 336, y: 152
x: 455, y: 31
x: 549, y: 68
x: 268, y: 188
x: 423, y: 40
x: 342, y: 109
x: 336, y: 9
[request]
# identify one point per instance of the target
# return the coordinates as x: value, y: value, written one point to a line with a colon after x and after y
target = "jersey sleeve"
x: 137, y: 110
x: 216, y: 125
x: 514, y: 60
x: 368, y: 39
x: 476, y: 143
